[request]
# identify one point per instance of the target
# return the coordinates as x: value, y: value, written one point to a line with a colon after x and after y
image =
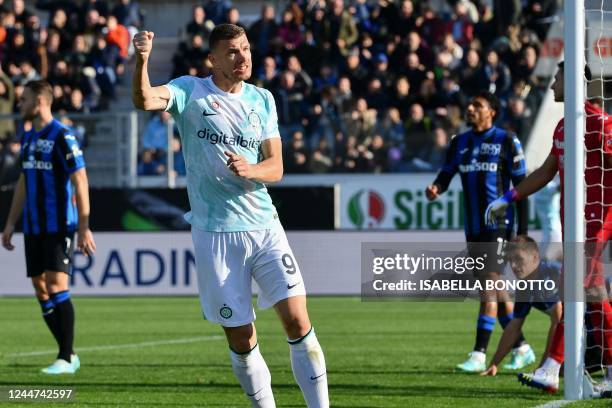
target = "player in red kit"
x: 598, y: 217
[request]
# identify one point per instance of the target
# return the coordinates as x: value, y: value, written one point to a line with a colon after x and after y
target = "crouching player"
x: 524, y: 259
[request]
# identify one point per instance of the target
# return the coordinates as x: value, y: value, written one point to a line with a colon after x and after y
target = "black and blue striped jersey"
x: 542, y: 300
x: 487, y: 162
x: 48, y: 158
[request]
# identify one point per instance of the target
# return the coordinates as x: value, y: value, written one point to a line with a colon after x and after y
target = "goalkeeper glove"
x: 498, y: 207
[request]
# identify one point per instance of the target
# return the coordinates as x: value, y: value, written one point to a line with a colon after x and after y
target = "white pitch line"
x: 122, y: 346
x: 554, y: 404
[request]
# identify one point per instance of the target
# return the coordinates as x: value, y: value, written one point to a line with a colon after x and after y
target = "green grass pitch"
x: 147, y: 352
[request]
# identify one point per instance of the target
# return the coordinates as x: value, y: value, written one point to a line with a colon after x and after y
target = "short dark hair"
x: 523, y: 243
x: 587, y: 70
x: 224, y: 32
x: 41, y: 88
x: 491, y: 100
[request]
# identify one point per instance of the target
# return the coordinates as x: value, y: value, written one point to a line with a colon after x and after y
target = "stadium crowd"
x: 379, y: 86
x: 81, y: 48
x: 360, y: 85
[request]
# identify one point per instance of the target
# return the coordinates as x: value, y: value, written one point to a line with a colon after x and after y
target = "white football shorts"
x: 226, y: 263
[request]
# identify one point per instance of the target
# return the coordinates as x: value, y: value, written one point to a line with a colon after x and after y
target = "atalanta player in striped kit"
x: 52, y: 166
x: 488, y: 159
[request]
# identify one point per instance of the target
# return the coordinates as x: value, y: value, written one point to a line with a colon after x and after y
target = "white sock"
x: 308, y: 364
x: 552, y: 365
x: 252, y: 372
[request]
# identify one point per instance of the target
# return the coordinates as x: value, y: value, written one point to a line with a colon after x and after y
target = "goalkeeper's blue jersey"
x: 487, y: 162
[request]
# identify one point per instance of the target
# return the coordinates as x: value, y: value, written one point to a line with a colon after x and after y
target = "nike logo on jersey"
x: 292, y: 286
x: 463, y: 150
x: 208, y: 114
x: 318, y: 376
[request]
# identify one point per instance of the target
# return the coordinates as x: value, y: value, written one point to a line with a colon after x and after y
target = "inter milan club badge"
x: 254, y: 119
x: 225, y: 312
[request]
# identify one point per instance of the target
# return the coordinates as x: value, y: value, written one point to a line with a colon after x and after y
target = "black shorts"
x: 48, y: 252
x: 490, y: 245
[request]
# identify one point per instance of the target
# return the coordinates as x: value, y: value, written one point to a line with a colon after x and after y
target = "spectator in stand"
x: 344, y: 96
x: 380, y: 152
x: 148, y: 165
x: 7, y: 100
x: 404, y: 21
x: 324, y: 120
x: 232, y: 16
x: 118, y: 35
x: 327, y: 77
x: 267, y: 75
x: 296, y: 154
x: 414, y: 71
x: 199, y: 24
x: 59, y: 24
x: 401, y: 97
x: 93, y: 26
x: 376, y: 95
x: 341, y: 29
x: 155, y: 137
x: 526, y: 66
x: 262, y: 32
x: 360, y: 122
x: 128, y: 14
x: 381, y: 72
x: 519, y: 118
x: 100, y: 6
x: 432, y: 155
x: 454, y: 49
x: 495, y: 75
x: 538, y: 15
x: 392, y: 129
x: 355, y: 72
x: 418, y: 129
x: 321, y: 160
x: 290, y: 105
x: 103, y: 58
x: 20, y: 11
x: 289, y: 31
x: 303, y: 81
x: 462, y: 23
x: 505, y: 14
x: 76, y: 102
x: 469, y: 73
x: 216, y: 10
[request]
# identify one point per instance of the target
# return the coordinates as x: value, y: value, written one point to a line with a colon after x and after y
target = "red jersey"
x: 598, y: 173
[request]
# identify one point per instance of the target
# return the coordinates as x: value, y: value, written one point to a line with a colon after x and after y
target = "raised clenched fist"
x: 143, y: 42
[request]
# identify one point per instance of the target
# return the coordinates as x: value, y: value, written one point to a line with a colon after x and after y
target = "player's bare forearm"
x: 269, y: 170
x: 508, y: 339
x: 17, y: 202
x: 81, y: 186
x: 538, y: 178
x: 144, y: 96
